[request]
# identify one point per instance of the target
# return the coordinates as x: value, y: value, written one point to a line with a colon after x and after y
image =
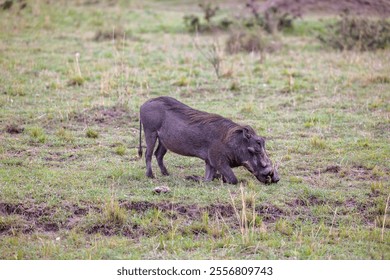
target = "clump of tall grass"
x: 114, y: 213
x: 246, y: 215
x: 91, y: 133
x: 37, y: 134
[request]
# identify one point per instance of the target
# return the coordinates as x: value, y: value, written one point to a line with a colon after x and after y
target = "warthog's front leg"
x: 210, y: 174
x: 227, y: 174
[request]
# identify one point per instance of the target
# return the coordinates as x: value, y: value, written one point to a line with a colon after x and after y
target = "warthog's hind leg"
x: 150, y: 138
x: 160, y: 153
x: 210, y: 173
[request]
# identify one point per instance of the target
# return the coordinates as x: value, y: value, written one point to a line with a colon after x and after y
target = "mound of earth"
x: 301, y: 7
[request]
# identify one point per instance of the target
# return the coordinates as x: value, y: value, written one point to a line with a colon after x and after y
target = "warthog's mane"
x: 230, y: 129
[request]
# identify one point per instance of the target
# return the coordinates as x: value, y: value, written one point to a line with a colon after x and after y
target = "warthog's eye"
x: 261, y: 142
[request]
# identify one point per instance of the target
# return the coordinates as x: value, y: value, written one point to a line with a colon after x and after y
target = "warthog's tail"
x: 140, y: 139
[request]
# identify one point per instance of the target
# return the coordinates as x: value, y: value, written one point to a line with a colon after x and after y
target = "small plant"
x: 91, y: 133
x: 182, y: 82
x: 234, y: 86
x: 113, y: 213
x: 77, y: 79
x: 65, y: 135
x: 16, y: 90
x: 37, y: 134
x: 120, y: 150
x: 357, y: 33
x: 247, y: 108
x: 294, y: 179
x: 376, y: 188
x: 192, y: 23
x: 312, y: 121
x: 318, y: 142
x: 378, y: 172
x: 284, y: 227
x: 214, y: 55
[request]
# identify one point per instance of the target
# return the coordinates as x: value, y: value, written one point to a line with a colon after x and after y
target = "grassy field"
x: 72, y: 79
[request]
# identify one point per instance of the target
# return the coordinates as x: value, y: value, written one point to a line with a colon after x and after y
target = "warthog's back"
x: 182, y: 129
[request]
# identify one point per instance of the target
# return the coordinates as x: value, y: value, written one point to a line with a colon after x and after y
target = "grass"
x: 71, y: 184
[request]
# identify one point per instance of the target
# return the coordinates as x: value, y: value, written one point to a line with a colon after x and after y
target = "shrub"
x: 357, y: 33
x: 253, y: 40
x: 271, y: 20
x: 209, y: 10
x: 194, y: 24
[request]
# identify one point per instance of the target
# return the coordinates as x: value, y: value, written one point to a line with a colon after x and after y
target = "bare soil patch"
x: 38, y: 217
x: 269, y: 212
x: 61, y: 157
x: 360, y: 173
x: 191, y: 210
x: 103, y: 116
x: 14, y: 129
x: 329, y: 169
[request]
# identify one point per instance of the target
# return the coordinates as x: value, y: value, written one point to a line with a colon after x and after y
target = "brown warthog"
x: 220, y: 142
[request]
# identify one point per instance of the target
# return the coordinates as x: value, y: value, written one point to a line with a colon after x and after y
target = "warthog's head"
x: 256, y: 160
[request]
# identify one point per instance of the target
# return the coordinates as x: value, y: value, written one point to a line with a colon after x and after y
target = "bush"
x: 253, y: 40
x: 357, y: 33
x: 271, y: 20
x: 194, y: 24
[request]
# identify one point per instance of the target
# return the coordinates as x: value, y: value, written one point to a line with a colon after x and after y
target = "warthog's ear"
x: 246, y: 133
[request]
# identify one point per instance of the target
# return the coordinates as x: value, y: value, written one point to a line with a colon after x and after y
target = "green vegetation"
x: 72, y: 79
x: 358, y: 33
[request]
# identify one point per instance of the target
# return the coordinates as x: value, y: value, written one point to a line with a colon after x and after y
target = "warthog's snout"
x: 270, y: 176
x: 274, y: 176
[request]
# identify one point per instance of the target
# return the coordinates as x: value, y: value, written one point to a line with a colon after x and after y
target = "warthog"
x: 220, y: 142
